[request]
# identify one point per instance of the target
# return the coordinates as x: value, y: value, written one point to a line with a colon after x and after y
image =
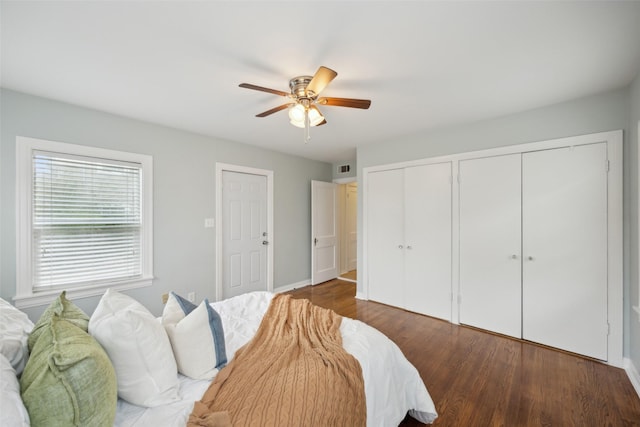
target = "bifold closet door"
x: 564, y: 273
x: 427, y: 237
x: 385, y: 231
x: 490, y: 244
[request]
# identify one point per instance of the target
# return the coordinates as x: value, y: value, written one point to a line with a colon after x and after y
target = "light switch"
x: 209, y: 222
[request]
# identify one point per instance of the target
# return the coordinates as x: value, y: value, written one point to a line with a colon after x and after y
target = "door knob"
x: 400, y: 246
x: 409, y: 247
x: 265, y: 242
x: 514, y: 256
x: 530, y: 258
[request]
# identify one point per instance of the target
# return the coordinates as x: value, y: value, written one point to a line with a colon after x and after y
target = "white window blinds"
x: 87, y: 220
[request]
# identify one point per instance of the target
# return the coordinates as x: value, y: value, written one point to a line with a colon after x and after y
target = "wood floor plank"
x: 481, y: 379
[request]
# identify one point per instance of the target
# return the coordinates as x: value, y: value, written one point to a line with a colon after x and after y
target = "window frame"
x: 25, y: 147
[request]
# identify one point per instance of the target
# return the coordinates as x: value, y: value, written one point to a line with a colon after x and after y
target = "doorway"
x: 348, y: 207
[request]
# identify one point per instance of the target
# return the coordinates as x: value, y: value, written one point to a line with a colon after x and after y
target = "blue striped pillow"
x: 196, y: 335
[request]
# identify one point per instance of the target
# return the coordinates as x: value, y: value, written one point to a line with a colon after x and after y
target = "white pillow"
x: 11, y: 407
x: 189, y: 328
x: 15, y: 327
x: 139, y: 350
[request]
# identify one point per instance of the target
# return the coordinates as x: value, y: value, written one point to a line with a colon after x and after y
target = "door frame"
x: 615, y: 281
x: 342, y: 218
x: 268, y: 174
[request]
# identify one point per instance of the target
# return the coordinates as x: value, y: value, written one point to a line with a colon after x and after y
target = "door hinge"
x: 459, y: 178
x: 608, y: 329
x: 608, y: 165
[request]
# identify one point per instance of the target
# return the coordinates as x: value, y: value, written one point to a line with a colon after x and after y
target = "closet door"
x: 565, y: 248
x: 490, y: 244
x: 427, y: 238
x: 385, y: 232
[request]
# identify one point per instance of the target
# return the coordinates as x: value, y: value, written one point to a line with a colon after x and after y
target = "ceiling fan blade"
x: 345, y: 102
x: 263, y: 89
x: 320, y: 80
x: 274, y: 110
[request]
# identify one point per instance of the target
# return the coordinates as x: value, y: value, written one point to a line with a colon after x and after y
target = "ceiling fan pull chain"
x: 307, y: 126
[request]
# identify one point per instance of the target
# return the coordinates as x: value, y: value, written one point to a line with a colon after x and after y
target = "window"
x: 84, y: 220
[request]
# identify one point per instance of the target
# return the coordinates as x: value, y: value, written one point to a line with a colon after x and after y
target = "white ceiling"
x: 423, y: 64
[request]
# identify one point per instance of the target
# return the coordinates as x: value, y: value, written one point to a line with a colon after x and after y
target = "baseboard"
x: 632, y: 372
x: 292, y: 286
x: 361, y: 295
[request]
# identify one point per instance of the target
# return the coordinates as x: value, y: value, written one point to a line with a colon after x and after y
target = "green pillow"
x: 65, y: 309
x: 69, y: 379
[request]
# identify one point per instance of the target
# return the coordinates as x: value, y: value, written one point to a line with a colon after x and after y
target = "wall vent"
x: 344, y: 168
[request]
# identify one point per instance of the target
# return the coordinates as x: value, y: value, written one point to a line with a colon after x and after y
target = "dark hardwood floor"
x: 480, y: 379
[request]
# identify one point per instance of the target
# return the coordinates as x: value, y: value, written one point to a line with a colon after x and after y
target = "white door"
x: 427, y: 237
x: 245, y: 234
x: 351, y: 226
x: 385, y: 232
x: 565, y: 248
x: 324, y: 232
x: 490, y: 243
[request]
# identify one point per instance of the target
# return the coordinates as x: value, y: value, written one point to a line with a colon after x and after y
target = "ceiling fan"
x: 304, y: 99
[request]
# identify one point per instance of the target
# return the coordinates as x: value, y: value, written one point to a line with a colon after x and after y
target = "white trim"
x: 632, y: 373
x: 268, y: 174
x: 43, y: 298
x: 615, y: 279
x: 347, y: 180
x: 25, y: 297
x: 361, y: 296
x: 292, y: 286
x: 615, y: 224
x: 455, y: 244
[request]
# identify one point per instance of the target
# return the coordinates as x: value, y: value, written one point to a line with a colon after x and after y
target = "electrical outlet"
x: 191, y: 296
x: 165, y: 298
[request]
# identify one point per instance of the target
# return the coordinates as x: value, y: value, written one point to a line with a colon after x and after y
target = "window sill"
x: 42, y: 298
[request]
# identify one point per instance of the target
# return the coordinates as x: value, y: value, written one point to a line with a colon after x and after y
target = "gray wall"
x: 184, y: 193
x: 631, y: 190
x: 598, y: 113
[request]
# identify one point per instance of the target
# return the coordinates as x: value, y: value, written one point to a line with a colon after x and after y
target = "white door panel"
x: 324, y: 255
x: 490, y: 242
x: 244, y: 219
x: 565, y: 248
x: 428, y: 239
x: 385, y: 247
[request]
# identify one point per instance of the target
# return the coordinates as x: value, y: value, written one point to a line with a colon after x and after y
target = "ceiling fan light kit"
x: 304, y: 91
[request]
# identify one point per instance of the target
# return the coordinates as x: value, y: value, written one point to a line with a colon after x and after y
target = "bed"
x: 392, y: 385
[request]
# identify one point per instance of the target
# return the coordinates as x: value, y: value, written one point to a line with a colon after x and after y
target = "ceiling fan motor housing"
x: 298, y: 87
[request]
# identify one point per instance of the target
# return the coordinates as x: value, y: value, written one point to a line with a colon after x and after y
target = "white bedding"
x: 392, y: 384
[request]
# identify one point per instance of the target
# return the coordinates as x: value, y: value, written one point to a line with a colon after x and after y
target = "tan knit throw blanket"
x: 294, y: 372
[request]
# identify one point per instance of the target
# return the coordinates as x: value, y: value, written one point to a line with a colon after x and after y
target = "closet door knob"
x: 400, y: 246
x: 530, y: 258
